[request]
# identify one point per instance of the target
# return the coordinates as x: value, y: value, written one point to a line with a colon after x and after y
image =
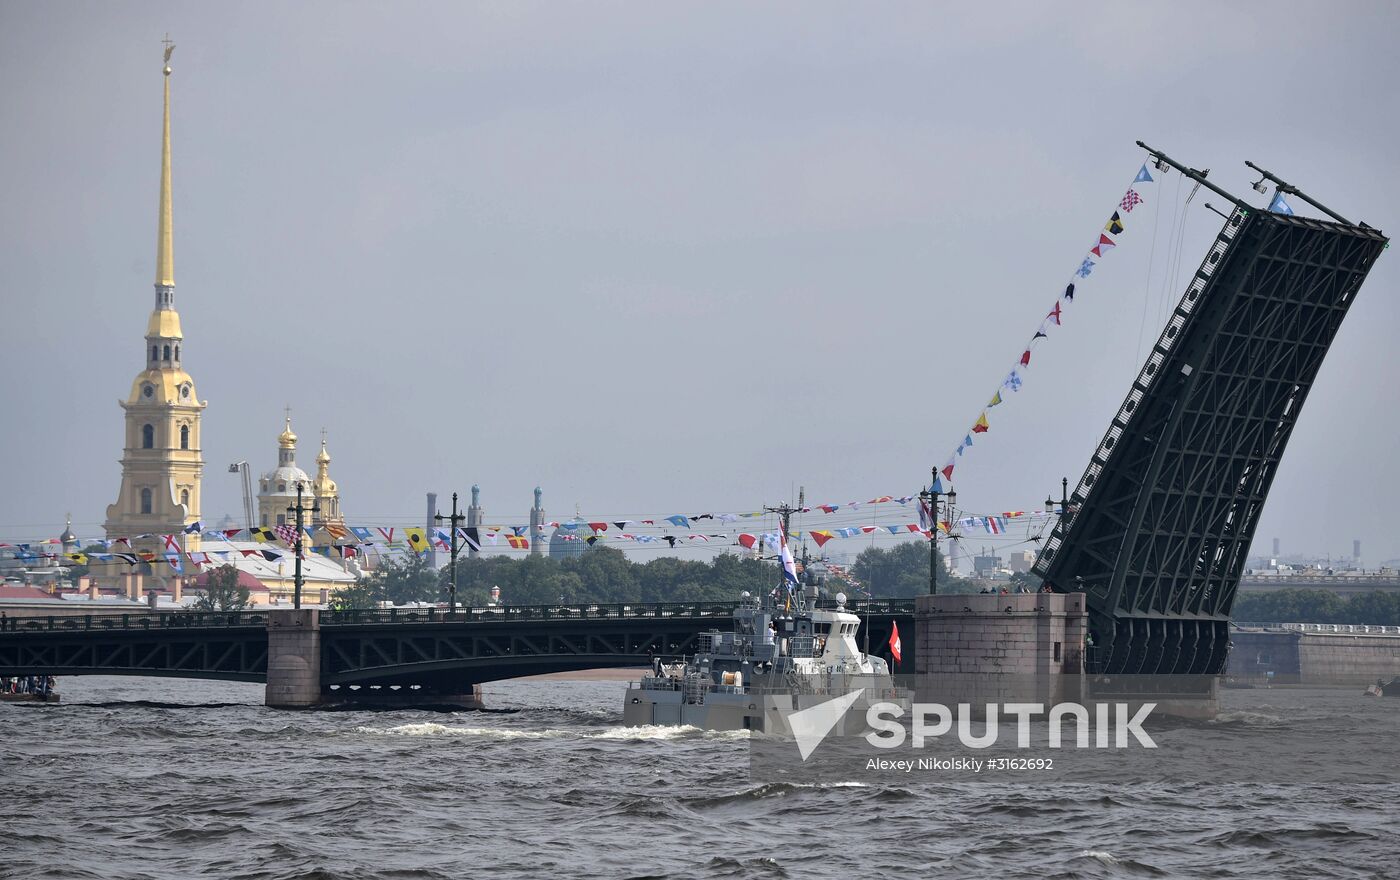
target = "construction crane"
x: 242, y: 467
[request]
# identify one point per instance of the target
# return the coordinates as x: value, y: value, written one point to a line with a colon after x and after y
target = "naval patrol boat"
x: 783, y: 655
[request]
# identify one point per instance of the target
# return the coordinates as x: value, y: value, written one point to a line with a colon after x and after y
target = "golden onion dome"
x: 288, y: 438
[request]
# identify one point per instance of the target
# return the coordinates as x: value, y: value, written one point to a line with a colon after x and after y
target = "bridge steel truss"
x: 446, y: 657
x: 437, y: 652
x: 1160, y: 523
x: 76, y: 647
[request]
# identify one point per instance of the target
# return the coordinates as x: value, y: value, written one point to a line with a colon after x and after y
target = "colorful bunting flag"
x: 980, y: 426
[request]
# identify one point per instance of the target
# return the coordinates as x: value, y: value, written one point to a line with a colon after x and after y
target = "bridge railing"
x: 504, y: 613
x: 187, y: 619
x: 1373, y: 629
x: 157, y: 620
x: 721, y: 611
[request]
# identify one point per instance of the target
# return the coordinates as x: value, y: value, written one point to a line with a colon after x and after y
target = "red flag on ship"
x: 894, y: 640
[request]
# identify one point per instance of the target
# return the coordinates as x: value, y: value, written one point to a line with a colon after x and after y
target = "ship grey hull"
x: 765, y: 713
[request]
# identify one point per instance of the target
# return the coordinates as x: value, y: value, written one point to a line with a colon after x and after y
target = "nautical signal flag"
x: 518, y: 542
x: 1130, y: 200
x: 821, y: 537
x: 1143, y: 176
x: 980, y: 427
x: 417, y: 539
x: 894, y: 641
x: 1279, y: 206
x: 1105, y: 245
x: 789, y: 564
x: 262, y: 535
x: 1115, y: 224
x: 1055, y: 313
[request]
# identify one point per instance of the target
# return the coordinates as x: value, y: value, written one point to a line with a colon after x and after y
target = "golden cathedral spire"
x: 165, y: 255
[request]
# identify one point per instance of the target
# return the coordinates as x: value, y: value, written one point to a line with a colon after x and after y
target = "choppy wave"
x: 158, y: 790
x: 643, y: 732
x: 429, y: 728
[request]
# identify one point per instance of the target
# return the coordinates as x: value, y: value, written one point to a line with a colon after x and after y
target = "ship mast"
x: 785, y: 512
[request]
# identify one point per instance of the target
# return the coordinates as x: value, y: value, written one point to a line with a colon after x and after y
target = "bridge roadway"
x: 424, y: 649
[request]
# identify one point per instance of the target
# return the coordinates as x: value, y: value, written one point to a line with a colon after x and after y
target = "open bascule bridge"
x: 1155, y: 533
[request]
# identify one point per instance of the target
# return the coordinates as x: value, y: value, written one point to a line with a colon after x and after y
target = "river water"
x: 162, y: 778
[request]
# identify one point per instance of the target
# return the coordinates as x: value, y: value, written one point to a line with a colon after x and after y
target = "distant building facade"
x: 161, y: 462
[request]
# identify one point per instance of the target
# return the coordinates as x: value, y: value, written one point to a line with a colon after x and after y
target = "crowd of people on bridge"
x: 40, y: 685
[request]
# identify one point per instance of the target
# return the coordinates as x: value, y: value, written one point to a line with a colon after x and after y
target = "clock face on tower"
x: 185, y: 391
x: 148, y: 391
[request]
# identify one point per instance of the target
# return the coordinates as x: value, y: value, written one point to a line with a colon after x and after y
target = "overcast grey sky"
x: 662, y: 258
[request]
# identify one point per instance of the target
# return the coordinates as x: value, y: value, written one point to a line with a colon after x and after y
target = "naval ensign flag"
x: 894, y: 640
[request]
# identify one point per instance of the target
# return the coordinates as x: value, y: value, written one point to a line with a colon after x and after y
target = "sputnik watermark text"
x: 1111, y: 727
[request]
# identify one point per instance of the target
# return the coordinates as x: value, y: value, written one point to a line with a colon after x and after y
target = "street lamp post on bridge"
x: 300, y: 510
x: 456, y: 519
x: 929, y: 498
x: 1064, y: 500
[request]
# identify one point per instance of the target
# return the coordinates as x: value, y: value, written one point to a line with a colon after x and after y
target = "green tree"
x: 222, y: 592
x: 1025, y: 580
x: 357, y: 595
x: 412, y: 580
x: 1317, y: 606
x: 902, y: 571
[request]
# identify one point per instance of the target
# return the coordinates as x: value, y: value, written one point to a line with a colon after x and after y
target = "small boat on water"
x: 783, y: 655
x: 28, y: 689
x: 1383, y: 688
x: 50, y: 697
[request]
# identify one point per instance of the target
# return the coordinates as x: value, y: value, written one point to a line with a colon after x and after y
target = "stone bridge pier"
x: 293, y: 658
x: 296, y: 679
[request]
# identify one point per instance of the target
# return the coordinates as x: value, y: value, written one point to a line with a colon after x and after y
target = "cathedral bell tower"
x: 161, y: 462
